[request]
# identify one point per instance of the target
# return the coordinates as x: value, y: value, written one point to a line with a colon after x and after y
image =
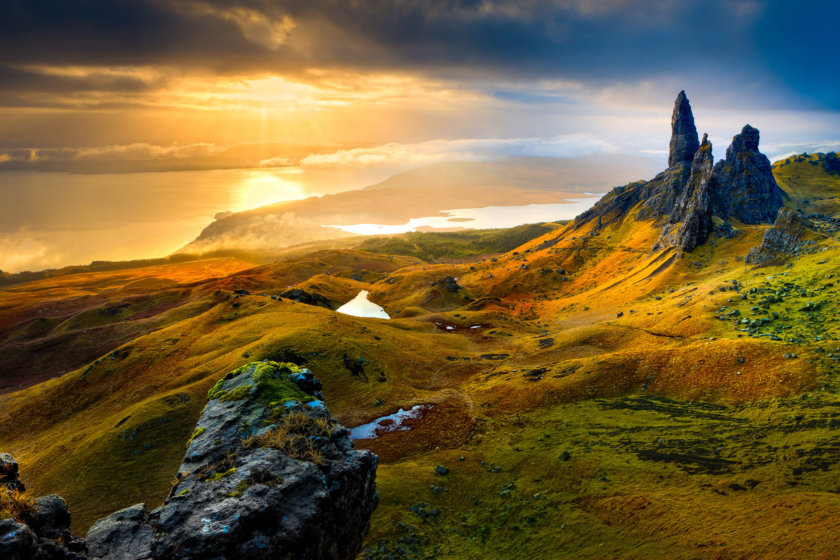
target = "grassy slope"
x: 569, y: 431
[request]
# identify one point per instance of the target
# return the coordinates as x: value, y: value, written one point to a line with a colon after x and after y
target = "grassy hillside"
x: 811, y: 181
x: 587, y: 398
x: 434, y: 246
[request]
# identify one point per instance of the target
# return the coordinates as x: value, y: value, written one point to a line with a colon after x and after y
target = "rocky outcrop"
x: 787, y: 238
x: 657, y: 196
x: 9, y: 473
x: 267, y: 474
x: 693, y: 194
x: 745, y: 187
x: 449, y: 283
x: 309, y: 298
x: 690, y: 222
x: 831, y: 163
x: 684, y: 140
x: 39, y: 530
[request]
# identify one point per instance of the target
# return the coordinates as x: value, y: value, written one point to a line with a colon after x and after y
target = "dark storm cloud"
x: 767, y: 44
x: 21, y: 80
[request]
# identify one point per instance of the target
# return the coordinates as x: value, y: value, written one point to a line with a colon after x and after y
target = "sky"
x: 124, y: 126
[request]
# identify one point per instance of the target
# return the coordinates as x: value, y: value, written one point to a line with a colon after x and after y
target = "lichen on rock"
x: 268, y: 473
x: 242, y: 492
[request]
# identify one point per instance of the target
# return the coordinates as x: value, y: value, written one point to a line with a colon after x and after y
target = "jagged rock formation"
x: 691, y: 219
x: 785, y: 239
x: 745, y: 187
x: 684, y: 143
x: 693, y: 193
x: 41, y: 530
x: 267, y: 474
x: 658, y: 195
x: 309, y: 298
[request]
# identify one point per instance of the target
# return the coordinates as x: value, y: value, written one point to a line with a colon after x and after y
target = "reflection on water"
x: 391, y: 423
x: 483, y: 218
x: 359, y: 306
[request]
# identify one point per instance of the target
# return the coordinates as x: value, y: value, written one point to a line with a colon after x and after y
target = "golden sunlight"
x: 260, y: 188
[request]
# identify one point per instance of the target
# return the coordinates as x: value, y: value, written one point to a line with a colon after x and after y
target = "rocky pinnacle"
x: 684, y: 140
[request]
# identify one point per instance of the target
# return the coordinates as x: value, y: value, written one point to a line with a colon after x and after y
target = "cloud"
x: 599, y: 42
x: 138, y: 156
x: 435, y: 151
x: 21, y: 251
x: 256, y: 26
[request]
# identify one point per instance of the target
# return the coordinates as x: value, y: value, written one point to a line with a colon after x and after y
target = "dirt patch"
x: 447, y: 424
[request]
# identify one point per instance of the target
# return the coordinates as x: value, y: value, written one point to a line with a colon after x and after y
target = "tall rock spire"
x: 684, y: 140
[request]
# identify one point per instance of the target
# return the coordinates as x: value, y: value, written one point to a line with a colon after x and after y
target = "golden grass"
x: 15, y: 504
x: 293, y: 433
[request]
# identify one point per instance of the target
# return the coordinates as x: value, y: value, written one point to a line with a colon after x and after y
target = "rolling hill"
x: 603, y: 390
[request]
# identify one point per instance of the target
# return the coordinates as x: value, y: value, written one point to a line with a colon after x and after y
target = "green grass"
x: 807, y: 184
x: 436, y: 246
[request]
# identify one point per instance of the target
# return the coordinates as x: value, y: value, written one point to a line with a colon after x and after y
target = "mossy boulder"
x: 243, y: 493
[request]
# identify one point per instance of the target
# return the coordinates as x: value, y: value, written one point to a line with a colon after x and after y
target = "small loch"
x: 392, y: 423
x: 360, y: 306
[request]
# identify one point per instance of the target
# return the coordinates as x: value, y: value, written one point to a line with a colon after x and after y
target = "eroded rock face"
x: 268, y: 474
x: 684, y: 139
x: 745, y: 186
x: 693, y: 193
x: 690, y: 222
x: 658, y: 195
x: 785, y: 239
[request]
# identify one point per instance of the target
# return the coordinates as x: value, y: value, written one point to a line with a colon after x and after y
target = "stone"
x: 17, y: 541
x: 450, y: 284
x: 694, y: 197
x: 258, y: 500
x: 51, y: 518
x: 745, y: 186
x: 129, y: 528
x: 690, y: 222
x: 9, y: 473
x: 441, y: 470
x: 657, y: 196
x: 787, y: 237
x: 684, y: 139
x: 309, y: 298
x: 45, y: 534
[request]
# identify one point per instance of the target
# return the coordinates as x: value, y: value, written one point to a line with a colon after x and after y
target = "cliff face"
x: 658, y: 195
x: 786, y: 238
x: 690, y: 222
x: 746, y: 189
x: 684, y: 142
x: 693, y: 190
x: 267, y: 474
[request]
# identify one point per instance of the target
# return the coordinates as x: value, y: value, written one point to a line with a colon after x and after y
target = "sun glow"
x: 260, y: 188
